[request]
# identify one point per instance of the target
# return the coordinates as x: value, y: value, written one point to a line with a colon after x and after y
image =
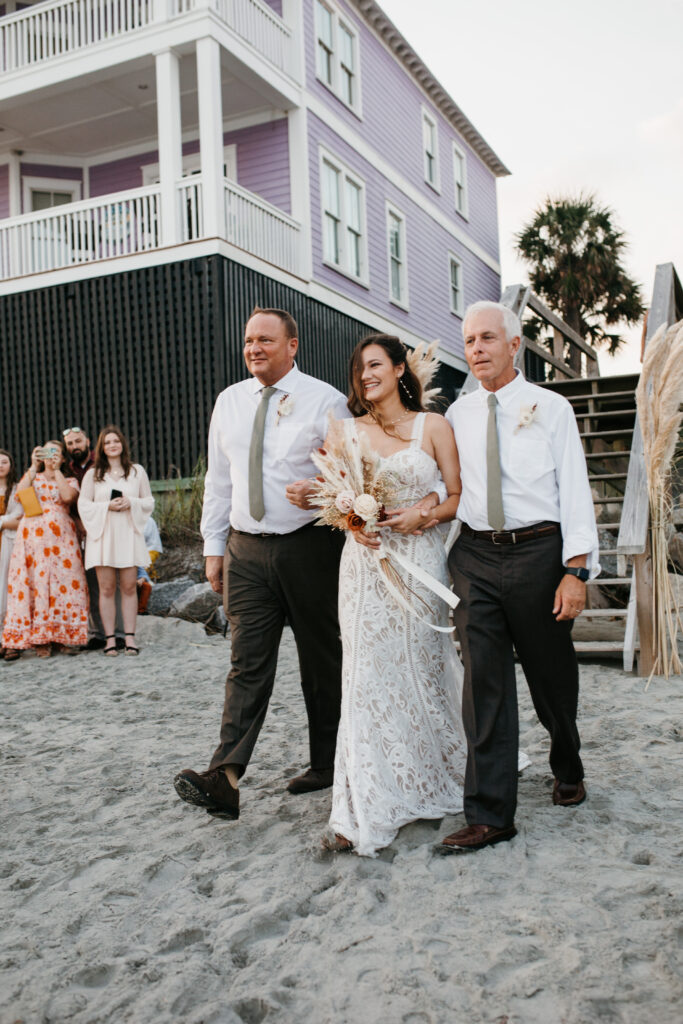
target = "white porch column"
x: 211, y: 135
x: 169, y: 131
x: 14, y: 184
x: 300, y: 187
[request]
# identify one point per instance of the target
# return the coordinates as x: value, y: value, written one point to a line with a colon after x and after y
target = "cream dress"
x: 115, y: 539
x: 7, y: 538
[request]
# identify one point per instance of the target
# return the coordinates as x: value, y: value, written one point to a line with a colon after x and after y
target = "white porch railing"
x: 191, y: 219
x: 59, y: 27
x: 259, y: 25
x: 66, y: 236
x: 253, y: 224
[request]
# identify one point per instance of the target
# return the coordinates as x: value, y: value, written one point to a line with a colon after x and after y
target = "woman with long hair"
x: 114, y: 505
x: 401, y: 747
x: 47, y: 596
x: 10, y: 516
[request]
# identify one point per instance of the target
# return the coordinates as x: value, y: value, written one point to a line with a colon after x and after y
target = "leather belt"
x: 543, y: 529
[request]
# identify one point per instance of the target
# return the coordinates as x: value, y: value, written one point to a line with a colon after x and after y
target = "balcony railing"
x: 253, y: 224
x: 127, y: 223
x: 60, y: 27
x: 77, y: 233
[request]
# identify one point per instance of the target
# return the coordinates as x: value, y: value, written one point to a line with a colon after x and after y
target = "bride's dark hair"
x: 409, y: 387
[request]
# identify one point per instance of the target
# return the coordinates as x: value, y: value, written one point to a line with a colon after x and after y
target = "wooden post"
x: 170, y: 144
x: 558, y: 352
x: 211, y: 135
x: 642, y: 567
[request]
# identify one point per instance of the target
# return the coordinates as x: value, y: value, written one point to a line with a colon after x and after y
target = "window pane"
x: 353, y: 206
x: 324, y: 24
x: 43, y: 200
x: 455, y: 286
x: 396, y: 280
x: 346, y: 48
x: 395, y: 236
x: 346, y: 86
x: 331, y: 189
x: 331, y: 239
x: 353, y: 253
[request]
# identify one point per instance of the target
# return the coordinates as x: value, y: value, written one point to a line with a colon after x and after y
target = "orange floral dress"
x: 47, y: 596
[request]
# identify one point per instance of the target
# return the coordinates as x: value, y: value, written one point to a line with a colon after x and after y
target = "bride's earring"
x: 405, y: 387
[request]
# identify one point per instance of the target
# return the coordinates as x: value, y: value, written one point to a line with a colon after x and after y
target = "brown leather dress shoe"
x: 568, y: 794
x: 311, y: 780
x: 209, y: 789
x: 474, y: 837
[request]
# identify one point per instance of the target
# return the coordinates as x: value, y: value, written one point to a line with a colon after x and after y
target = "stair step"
x: 608, y: 455
x: 609, y: 500
x: 618, y: 432
x: 600, y: 395
x: 592, y: 613
x: 610, y: 581
x: 605, y: 647
x: 612, y: 551
x: 608, y: 526
x: 604, y: 413
x: 607, y: 476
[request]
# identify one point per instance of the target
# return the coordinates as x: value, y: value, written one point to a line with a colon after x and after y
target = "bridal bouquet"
x: 352, y: 492
x: 353, y: 488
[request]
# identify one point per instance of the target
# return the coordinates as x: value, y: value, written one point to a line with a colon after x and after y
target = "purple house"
x: 167, y: 164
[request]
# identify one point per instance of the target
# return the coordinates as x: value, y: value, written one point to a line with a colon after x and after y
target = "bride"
x: 401, y: 748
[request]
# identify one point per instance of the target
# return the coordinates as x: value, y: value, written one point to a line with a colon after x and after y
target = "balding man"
x: 271, y: 561
x: 527, y: 546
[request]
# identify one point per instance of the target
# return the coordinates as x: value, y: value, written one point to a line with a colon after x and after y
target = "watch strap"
x: 578, y: 571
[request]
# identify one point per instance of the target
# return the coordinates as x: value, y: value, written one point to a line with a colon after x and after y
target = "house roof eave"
x: 402, y: 49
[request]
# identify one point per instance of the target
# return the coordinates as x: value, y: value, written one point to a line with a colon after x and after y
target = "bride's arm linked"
x: 439, y: 442
x: 299, y: 491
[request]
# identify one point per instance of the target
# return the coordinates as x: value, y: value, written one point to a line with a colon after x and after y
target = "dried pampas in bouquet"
x: 659, y: 396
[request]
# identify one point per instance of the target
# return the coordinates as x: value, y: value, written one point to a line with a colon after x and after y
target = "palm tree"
x: 574, y: 251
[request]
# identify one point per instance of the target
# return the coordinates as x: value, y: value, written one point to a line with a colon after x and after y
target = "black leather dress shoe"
x: 211, y: 790
x: 311, y: 780
x: 568, y: 794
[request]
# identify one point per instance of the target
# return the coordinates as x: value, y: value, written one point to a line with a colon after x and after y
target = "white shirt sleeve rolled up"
x: 296, y: 423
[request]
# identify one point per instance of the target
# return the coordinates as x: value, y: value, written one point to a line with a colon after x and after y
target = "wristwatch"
x: 583, y: 574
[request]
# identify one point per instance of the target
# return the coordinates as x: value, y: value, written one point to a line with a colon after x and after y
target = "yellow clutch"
x: 30, y: 502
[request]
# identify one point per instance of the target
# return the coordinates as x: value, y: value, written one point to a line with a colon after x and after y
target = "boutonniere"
x: 527, y: 415
x: 284, y: 407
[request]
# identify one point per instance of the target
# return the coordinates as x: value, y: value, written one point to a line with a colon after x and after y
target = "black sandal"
x: 110, y: 652
x: 129, y: 649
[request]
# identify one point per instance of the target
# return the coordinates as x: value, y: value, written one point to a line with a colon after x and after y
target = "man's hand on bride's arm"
x: 299, y: 493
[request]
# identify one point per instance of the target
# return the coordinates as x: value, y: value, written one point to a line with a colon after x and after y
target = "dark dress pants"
x: 506, y: 598
x: 266, y: 581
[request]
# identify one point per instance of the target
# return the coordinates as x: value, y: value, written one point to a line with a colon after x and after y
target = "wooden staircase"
x: 605, y: 410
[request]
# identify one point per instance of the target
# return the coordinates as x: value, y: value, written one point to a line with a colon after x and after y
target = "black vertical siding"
x: 150, y: 349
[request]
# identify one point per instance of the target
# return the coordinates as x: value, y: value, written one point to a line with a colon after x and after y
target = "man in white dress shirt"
x: 269, y: 559
x: 527, y: 546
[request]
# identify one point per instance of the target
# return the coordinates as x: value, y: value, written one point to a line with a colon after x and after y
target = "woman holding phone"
x: 10, y: 516
x: 114, y: 505
x: 47, y: 596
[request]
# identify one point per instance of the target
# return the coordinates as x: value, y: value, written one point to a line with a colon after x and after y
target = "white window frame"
x: 325, y: 156
x: 429, y: 119
x: 402, y: 300
x: 339, y: 21
x: 460, y: 181
x: 192, y: 164
x: 457, y: 309
x: 50, y: 185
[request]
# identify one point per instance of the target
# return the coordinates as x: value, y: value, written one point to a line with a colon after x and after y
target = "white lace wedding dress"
x: 401, y: 748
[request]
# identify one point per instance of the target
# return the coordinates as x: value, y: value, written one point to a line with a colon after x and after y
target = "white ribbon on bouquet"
x: 426, y: 578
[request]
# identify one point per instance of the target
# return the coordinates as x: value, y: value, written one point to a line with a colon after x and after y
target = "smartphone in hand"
x: 115, y: 494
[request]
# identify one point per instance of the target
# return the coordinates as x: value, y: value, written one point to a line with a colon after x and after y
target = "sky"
x: 574, y: 96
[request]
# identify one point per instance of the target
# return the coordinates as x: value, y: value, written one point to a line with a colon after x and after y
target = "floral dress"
x: 47, y: 596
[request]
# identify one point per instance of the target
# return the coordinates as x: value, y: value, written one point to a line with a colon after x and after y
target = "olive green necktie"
x: 257, y: 509
x: 494, y: 489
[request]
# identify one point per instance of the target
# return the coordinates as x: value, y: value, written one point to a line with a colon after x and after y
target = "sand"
x: 122, y: 904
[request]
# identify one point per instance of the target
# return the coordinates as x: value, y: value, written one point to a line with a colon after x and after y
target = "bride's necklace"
x: 392, y: 423
x: 116, y: 473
